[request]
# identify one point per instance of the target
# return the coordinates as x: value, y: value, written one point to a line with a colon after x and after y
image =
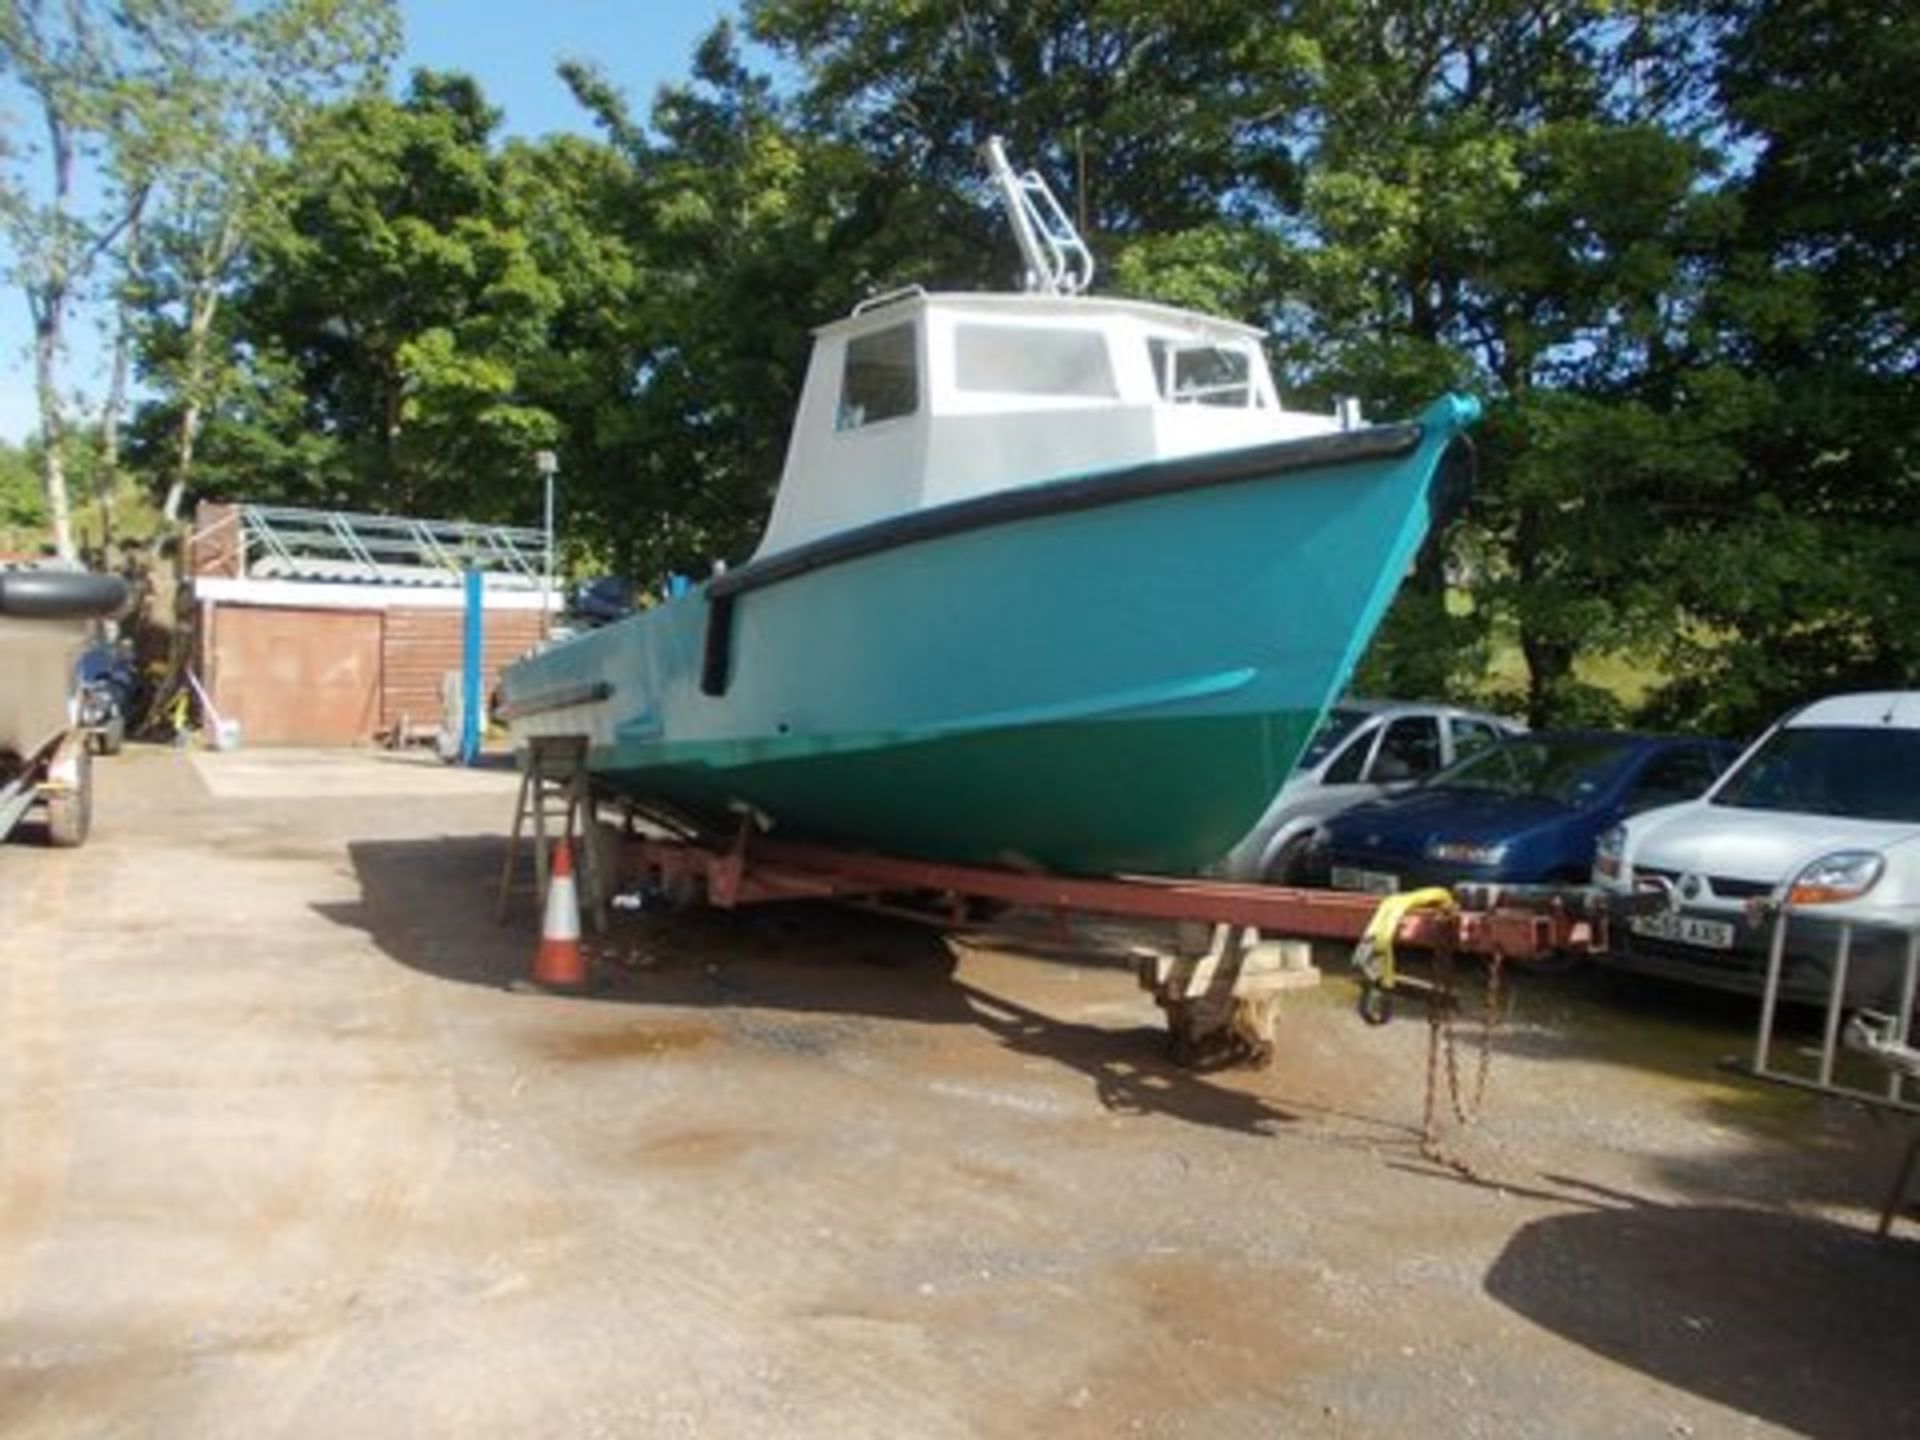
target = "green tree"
x: 741, y: 230
x: 23, y: 511
x: 1162, y: 117
x: 1800, y: 562
x: 399, y: 294
x: 104, y: 104
x: 1499, y: 196
x: 1162, y: 127
x: 1508, y: 198
x: 1669, y: 241
x: 260, y: 72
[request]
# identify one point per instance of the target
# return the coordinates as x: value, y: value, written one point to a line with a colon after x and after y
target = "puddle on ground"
x: 629, y: 1042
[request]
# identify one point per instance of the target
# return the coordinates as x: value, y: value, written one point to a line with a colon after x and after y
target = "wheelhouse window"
x: 1020, y: 360
x: 1203, y: 374
x: 881, y: 380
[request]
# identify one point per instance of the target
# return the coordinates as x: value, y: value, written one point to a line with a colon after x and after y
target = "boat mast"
x: 1058, y: 261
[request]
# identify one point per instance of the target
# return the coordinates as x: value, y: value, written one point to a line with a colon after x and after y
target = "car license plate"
x: 1686, y: 930
x: 1371, y: 882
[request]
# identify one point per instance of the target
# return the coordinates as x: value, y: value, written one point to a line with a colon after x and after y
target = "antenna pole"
x: 1058, y: 261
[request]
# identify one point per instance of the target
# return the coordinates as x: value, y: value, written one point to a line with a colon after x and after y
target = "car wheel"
x: 1289, y: 865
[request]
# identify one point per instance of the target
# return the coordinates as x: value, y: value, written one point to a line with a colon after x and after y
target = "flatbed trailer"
x: 1237, y: 947
x: 1253, y: 941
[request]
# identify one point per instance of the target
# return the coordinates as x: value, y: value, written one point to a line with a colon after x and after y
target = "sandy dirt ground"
x: 280, y: 1155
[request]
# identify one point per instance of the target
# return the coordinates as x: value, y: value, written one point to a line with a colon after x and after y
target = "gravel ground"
x: 281, y: 1155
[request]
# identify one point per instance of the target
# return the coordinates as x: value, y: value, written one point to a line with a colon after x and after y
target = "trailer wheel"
x: 70, y: 813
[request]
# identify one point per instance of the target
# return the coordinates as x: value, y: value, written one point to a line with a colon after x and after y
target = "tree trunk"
x: 199, y: 325
x: 1549, y: 658
x: 117, y: 387
x: 53, y: 470
x: 201, y: 309
x: 182, y: 461
x: 48, y: 302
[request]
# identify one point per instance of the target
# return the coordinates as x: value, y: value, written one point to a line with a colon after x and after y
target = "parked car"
x: 1822, y: 812
x: 1526, y: 811
x: 1362, y: 749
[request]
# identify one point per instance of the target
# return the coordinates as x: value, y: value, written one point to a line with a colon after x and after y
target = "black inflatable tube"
x: 60, y: 595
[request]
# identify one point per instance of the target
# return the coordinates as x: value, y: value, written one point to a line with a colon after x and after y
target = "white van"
x: 1822, y: 813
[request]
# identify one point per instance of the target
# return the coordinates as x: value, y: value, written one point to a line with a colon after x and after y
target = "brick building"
x: 321, y: 628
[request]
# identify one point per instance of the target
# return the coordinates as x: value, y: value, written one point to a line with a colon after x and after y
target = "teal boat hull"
x: 1105, y: 675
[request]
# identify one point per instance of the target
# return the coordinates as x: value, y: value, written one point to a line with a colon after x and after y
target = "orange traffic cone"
x: 559, y: 963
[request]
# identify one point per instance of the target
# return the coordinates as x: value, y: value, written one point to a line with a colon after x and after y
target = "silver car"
x: 1362, y: 750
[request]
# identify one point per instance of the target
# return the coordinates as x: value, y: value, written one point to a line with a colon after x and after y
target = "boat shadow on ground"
x: 429, y: 904
x: 1795, y: 1321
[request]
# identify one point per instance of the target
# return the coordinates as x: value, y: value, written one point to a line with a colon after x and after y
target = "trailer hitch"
x: 1373, y: 957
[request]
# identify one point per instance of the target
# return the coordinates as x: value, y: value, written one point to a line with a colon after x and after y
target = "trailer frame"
x: 1220, y: 995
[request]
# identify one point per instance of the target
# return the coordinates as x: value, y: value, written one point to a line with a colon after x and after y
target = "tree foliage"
x: 103, y: 106
x: 1797, y: 559
x: 259, y: 73
x: 23, y: 511
x: 1671, y: 242
x: 396, y: 293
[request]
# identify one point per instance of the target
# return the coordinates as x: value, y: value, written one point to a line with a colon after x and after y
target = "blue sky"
x: 511, y: 47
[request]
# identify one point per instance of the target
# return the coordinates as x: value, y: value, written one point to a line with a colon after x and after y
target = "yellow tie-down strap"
x: 1373, y: 956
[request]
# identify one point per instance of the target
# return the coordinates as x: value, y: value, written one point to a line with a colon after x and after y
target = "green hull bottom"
x: 1159, y: 795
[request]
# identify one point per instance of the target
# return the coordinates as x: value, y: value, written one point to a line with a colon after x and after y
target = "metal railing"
x: 1058, y: 261
x: 1879, y: 1030
x: 1863, y: 1027
x: 278, y: 541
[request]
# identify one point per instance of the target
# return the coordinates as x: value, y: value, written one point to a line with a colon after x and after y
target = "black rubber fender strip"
x: 717, y: 660
x: 60, y: 595
x: 586, y: 693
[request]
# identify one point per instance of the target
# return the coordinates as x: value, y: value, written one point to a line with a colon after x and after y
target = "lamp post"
x: 548, y: 464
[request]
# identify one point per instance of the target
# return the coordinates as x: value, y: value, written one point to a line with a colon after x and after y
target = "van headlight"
x: 1609, y: 850
x: 1843, y: 875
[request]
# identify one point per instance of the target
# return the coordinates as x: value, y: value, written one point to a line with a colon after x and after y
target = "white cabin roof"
x: 1070, y: 308
x: 923, y: 399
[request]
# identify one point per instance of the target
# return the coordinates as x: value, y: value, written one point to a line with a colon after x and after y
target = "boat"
x: 1051, y: 581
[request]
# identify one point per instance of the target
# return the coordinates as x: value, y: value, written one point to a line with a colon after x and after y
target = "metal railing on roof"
x: 1058, y: 261
x: 284, y: 542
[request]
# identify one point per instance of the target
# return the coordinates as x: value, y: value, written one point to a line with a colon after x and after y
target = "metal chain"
x: 1443, y: 1046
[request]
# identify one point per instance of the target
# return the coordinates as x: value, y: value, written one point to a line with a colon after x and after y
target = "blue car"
x: 1527, y: 811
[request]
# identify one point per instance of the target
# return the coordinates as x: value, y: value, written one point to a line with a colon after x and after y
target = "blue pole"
x: 472, y: 700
